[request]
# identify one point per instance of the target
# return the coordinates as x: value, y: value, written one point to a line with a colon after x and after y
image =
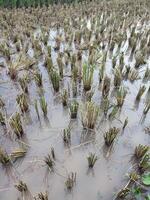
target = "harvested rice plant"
x: 74, y: 100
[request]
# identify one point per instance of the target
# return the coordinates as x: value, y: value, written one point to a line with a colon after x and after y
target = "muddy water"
x: 108, y: 175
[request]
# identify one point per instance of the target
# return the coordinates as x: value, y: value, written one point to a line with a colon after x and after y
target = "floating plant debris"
x: 18, y: 153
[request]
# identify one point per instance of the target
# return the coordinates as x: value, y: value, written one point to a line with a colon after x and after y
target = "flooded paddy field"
x: 75, y: 101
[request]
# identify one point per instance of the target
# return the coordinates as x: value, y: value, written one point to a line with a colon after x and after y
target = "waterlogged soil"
x: 109, y: 173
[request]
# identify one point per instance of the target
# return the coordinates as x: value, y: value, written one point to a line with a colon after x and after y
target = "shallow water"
x: 108, y: 174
